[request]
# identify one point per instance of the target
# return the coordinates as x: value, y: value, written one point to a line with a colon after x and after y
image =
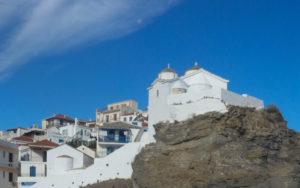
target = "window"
x: 25, y: 157
x: 4, y: 154
x: 10, y: 177
x: 44, y: 156
x: 124, y: 119
x: 3, y: 174
x: 107, y: 118
x: 157, y: 93
x: 130, y: 119
x: 115, y: 117
x: 10, y: 158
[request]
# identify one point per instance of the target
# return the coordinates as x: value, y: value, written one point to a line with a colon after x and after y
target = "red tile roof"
x: 24, y: 138
x: 44, y: 143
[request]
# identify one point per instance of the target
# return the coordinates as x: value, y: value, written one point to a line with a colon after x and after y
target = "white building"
x: 139, y: 119
x: 173, y: 98
x: 33, y: 158
x: 114, y: 135
x: 65, y: 158
x: 60, y: 161
x: 54, y: 135
x: 13, y: 133
x: 72, y: 131
x: 8, y: 164
x: 115, y: 165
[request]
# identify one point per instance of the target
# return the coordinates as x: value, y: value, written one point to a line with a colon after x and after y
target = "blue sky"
x: 66, y: 57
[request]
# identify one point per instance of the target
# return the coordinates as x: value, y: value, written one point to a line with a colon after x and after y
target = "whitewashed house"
x: 33, y: 158
x: 13, y: 133
x: 114, y: 135
x: 54, y: 135
x: 73, y: 131
x: 8, y: 165
x: 65, y: 158
x: 139, y: 119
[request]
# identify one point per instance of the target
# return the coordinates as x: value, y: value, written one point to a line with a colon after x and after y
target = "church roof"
x: 168, y: 69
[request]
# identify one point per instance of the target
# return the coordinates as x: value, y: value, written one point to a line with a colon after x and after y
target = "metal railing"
x: 115, y: 139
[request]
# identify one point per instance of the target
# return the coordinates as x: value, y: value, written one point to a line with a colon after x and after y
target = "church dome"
x: 167, y: 74
x: 179, y: 87
x: 192, y: 70
x: 198, y: 83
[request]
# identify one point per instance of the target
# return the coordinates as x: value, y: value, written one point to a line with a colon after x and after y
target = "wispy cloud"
x: 37, y: 27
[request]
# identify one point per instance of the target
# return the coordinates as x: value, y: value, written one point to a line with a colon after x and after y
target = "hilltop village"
x: 85, y: 152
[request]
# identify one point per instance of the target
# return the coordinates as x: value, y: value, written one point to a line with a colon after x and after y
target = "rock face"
x: 241, y: 148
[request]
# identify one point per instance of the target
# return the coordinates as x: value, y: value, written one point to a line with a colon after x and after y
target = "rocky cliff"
x: 241, y: 148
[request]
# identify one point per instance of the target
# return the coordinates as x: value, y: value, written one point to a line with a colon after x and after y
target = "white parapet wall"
x: 231, y: 98
x: 116, y: 165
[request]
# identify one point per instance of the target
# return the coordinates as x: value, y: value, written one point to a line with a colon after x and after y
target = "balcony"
x: 8, y: 164
x: 114, y: 139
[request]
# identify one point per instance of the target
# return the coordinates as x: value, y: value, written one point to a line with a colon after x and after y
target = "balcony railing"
x: 115, y: 139
x: 8, y: 164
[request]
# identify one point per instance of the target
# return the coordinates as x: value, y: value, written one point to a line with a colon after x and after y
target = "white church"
x: 173, y: 98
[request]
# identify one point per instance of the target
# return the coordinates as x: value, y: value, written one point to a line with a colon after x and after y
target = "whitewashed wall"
x: 40, y: 168
x: 231, y: 98
x: 158, y: 105
x: 62, y: 153
x: 188, y: 110
x: 115, y: 165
